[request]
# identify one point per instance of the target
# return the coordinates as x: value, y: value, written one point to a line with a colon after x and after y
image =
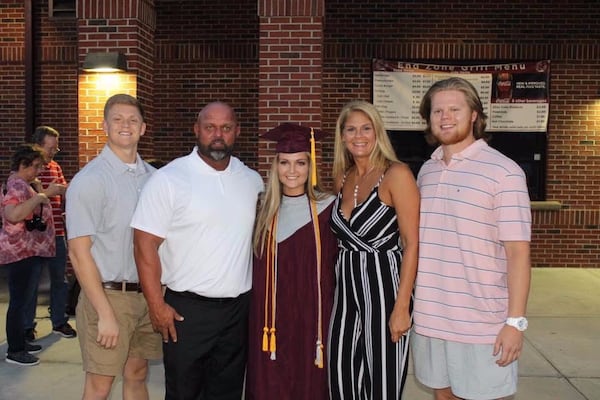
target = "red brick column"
x: 12, y: 76
x: 290, y: 67
x: 126, y: 27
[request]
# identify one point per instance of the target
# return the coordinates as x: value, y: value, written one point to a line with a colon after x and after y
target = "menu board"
x: 515, y: 96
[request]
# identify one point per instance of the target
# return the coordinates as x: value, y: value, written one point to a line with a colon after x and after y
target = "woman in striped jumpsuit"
x: 376, y: 222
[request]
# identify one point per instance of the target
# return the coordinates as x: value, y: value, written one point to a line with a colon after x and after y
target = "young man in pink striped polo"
x: 474, y: 260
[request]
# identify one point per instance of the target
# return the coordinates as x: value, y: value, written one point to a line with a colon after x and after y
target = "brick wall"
x: 12, y: 78
x: 566, y: 32
x: 55, y: 64
x: 126, y: 28
x: 291, y: 74
x: 203, y: 51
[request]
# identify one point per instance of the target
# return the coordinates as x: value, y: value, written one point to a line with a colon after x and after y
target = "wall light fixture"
x: 105, y: 62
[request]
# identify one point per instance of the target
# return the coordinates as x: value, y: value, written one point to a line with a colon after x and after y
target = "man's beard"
x: 457, y: 137
x: 215, y: 154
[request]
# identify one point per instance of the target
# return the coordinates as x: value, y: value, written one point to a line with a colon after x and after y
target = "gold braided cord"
x: 270, y: 288
x: 320, y: 345
x: 313, y: 158
x: 273, y: 342
x: 269, y: 343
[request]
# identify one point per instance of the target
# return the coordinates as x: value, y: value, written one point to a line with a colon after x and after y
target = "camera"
x: 36, y: 222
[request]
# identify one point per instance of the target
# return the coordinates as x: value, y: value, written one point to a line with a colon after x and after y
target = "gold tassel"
x: 273, y: 345
x: 265, y: 344
x: 319, y: 356
x: 313, y: 158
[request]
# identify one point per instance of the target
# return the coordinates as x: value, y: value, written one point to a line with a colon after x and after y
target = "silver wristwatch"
x: 519, y: 322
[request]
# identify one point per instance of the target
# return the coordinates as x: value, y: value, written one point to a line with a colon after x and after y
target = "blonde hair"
x: 271, y: 202
x: 473, y: 101
x: 126, y: 99
x: 383, y: 152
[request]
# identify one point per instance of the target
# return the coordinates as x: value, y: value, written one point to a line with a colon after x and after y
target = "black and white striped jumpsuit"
x: 363, y: 361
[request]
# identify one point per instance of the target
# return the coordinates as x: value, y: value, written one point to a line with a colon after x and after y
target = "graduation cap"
x: 294, y: 138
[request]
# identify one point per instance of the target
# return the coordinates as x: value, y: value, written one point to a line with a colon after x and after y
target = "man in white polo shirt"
x: 193, y: 234
x: 474, y: 265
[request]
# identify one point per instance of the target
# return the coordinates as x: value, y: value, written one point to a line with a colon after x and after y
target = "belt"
x: 122, y: 286
x: 194, y: 296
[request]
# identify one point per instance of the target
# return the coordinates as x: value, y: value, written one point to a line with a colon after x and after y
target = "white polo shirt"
x: 206, y: 218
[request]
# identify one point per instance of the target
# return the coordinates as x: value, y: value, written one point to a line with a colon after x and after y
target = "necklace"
x: 357, y: 183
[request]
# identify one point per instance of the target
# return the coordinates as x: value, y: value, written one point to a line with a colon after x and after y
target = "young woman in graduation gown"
x: 294, y: 279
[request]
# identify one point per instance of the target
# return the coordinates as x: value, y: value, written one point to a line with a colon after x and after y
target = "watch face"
x: 522, y: 323
x: 519, y: 323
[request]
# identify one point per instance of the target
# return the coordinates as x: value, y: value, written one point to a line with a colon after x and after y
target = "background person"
x: 193, y: 231
x: 47, y: 139
x: 115, y: 333
x: 376, y: 221
x: 293, y: 280
x: 27, y: 234
x: 474, y: 265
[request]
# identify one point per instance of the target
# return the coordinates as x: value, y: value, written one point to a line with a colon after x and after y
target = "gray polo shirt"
x: 100, y: 201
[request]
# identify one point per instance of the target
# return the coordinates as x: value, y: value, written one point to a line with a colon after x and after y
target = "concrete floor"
x: 560, y: 361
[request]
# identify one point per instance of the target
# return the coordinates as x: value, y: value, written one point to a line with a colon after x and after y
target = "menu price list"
x: 397, y: 95
x: 521, y: 117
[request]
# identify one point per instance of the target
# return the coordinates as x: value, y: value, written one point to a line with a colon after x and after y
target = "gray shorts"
x: 470, y: 370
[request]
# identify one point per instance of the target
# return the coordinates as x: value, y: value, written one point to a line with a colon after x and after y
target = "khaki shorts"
x: 470, y: 370
x: 136, y: 336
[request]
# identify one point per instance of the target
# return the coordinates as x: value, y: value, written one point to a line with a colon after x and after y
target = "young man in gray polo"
x: 115, y: 332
